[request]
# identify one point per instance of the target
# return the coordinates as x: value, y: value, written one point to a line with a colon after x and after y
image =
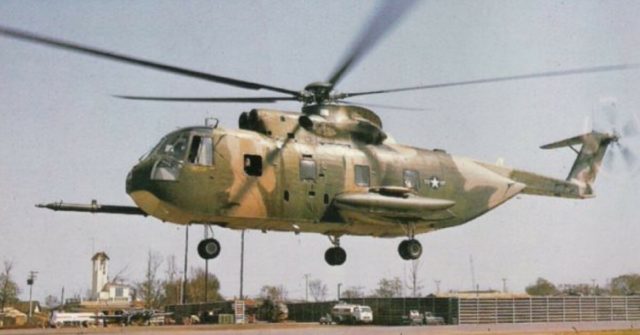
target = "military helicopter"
x: 330, y: 168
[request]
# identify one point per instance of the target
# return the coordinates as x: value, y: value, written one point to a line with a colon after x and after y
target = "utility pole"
x: 62, y: 297
x: 306, y: 287
x: 437, y: 287
x: 30, y: 281
x: 593, y: 286
x: 183, y: 294
x: 473, y: 274
x: 242, y: 265
x: 339, y: 284
x: 206, y: 267
x: 504, y: 285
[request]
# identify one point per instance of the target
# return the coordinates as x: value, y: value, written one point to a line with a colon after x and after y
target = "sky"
x: 64, y: 137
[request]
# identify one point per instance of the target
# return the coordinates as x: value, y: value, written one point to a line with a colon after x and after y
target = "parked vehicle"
x: 351, y: 314
x: 326, y: 319
x: 430, y: 319
x: 60, y: 319
x: 415, y: 318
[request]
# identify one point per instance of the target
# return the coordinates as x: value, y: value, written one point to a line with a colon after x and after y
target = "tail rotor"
x: 624, y: 129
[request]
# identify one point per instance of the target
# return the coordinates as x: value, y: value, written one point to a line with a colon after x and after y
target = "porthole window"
x: 411, y: 179
x: 253, y: 165
x: 308, y: 169
x: 362, y: 175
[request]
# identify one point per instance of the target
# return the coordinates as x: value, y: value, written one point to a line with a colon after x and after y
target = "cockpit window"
x: 173, y: 146
x: 201, y: 151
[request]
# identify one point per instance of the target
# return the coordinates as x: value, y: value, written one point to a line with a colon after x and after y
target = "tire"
x: 410, y: 249
x: 335, y: 256
x: 414, y: 249
x: 402, y: 250
x: 209, y: 248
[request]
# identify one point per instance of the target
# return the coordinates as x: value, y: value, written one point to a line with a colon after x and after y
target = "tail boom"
x: 579, y: 182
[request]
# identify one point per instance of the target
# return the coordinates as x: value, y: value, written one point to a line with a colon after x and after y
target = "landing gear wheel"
x: 209, y: 248
x: 335, y: 256
x: 410, y: 249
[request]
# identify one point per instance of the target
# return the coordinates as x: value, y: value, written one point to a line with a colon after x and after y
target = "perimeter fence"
x: 548, y: 309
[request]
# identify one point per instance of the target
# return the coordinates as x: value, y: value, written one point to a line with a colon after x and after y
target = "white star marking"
x: 435, y: 183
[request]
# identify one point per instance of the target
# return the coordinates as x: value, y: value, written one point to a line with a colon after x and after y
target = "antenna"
x: 211, y: 120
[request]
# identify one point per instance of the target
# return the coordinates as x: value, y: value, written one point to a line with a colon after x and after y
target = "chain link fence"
x: 548, y: 309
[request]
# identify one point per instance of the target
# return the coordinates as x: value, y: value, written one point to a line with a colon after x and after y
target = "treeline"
x: 156, y: 292
x: 628, y: 284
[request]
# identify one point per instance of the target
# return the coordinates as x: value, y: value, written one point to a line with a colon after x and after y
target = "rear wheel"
x: 209, y: 248
x: 335, y: 256
x: 410, y: 249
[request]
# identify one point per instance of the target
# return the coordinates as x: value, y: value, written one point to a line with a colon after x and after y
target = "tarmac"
x: 618, y: 327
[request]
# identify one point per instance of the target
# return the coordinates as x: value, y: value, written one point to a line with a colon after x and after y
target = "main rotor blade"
x: 386, y: 16
x: 30, y: 37
x: 561, y: 73
x: 384, y: 106
x: 205, y: 99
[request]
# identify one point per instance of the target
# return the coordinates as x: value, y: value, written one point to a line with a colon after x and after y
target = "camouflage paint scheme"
x: 448, y: 190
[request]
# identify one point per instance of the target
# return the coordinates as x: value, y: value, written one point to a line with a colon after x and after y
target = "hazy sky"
x: 64, y: 136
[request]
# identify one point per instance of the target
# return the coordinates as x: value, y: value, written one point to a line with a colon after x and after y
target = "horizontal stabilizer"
x: 94, y: 207
x: 566, y: 142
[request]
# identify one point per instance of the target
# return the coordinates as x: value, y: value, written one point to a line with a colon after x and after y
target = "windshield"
x: 174, y: 146
x: 366, y: 309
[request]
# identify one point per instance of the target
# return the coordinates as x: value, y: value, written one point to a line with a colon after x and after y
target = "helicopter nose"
x: 138, y: 177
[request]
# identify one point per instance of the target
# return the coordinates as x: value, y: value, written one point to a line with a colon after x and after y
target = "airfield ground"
x: 600, y: 328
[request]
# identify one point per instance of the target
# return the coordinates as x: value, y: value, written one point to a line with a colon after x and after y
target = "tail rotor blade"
x: 629, y: 157
x: 630, y: 129
x: 609, y: 159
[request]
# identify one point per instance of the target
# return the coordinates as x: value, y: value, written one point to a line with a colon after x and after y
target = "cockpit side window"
x: 201, y: 150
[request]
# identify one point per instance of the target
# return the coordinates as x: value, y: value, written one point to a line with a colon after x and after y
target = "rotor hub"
x: 318, y: 92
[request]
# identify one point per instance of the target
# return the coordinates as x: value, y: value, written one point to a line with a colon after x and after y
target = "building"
x: 100, y: 274
x: 101, y: 289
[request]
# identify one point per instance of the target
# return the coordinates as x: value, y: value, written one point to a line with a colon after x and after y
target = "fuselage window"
x: 253, y: 165
x: 411, y: 179
x: 201, y: 150
x: 362, y: 175
x: 307, y: 169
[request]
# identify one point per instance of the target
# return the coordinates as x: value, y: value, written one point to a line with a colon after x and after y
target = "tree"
x: 272, y: 292
x: 542, y: 287
x: 318, y: 290
x: 388, y: 288
x: 628, y: 284
x: 196, y: 286
x: 579, y: 289
x: 353, y: 292
x: 150, y: 290
x: 415, y: 284
x: 9, y: 290
x: 172, y: 284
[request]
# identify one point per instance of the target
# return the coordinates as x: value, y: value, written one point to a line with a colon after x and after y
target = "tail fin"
x: 587, y: 164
